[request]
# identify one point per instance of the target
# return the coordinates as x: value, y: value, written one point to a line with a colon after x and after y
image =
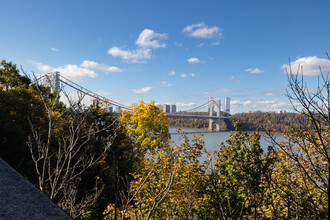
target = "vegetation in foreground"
x: 95, y: 166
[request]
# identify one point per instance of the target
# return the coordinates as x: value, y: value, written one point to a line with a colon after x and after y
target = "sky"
x: 173, y: 52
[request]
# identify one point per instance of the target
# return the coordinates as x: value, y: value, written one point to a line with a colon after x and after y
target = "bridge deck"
x: 194, y: 116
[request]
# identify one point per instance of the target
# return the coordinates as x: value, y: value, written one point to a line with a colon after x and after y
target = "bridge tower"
x: 215, y: 103
x: 52, y: 80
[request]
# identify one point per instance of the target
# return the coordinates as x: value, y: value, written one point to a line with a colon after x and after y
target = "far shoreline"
x: 197, y: 131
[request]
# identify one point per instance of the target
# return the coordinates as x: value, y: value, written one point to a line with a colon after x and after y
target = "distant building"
x: 173, y: 108
x: 110, y: 109
x: 281, y: 111
x: 52, y: 80
x: 227, y: 104
x: 166, y: 108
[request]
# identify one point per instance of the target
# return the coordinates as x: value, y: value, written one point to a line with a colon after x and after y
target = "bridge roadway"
x: 194, y: 116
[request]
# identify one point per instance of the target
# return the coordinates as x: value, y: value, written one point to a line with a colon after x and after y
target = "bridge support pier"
x: 210, y: 124
x: 217, y: 125
x: 215, y: 103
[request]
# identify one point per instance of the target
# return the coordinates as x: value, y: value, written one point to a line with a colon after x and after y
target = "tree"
x: 18, y: 102
x: 10, y: 77
x: 167, y: 186
x: 166, y: 180
x: 65, y: 142
x: 289, y: 195
x: 173, y: 189
x: 146, y: 127
x: 308, y: 145
x: 25, y: 105
x: 237, y: 183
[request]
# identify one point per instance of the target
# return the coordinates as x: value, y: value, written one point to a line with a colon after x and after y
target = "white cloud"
x: 254, y: 71
x: 201, y: 30
x: 75, y: 72
x: 181, y: 104
x: 193, y: 60
x: 202, y: 95
x: 165, y: 83
x: 281, y: 106
x: 134, y: 56
x: 185, y: 75
x: 147, y: 39
x: 264, y: 94
x: 172, y: 73
x: 310, y: 65
x: 142, y: 90
x: 54, y: 49
x: 266, y: 102
x: 263, y: 105
x: 223, y: 90
x: 269, y: 94
x: 42, y: 67
x: 103, y: 67
x: 235, y: 78
x: 216, y: 43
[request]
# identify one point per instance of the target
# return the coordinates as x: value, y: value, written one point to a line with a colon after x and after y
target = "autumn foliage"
x: 134, y: 171
x: 239, y: 181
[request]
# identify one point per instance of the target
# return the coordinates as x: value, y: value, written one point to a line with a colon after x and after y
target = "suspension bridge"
x: 57, y: 82
x: 213, y: 105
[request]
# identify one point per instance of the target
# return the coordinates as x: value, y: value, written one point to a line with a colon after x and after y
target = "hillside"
x: 260, y: 121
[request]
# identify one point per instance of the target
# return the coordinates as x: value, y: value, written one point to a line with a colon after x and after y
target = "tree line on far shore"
x: 251, y: 121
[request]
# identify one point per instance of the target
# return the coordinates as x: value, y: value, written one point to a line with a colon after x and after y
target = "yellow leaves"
x: 109, y: 212
x: 56, y: 113
x: 177, y: 166
x: 289, y: 175
x: 110, y: 208
x: 146, y: 125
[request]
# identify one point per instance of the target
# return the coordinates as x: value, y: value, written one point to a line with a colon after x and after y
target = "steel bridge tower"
x: 52, y: 80
x: 215, y: 103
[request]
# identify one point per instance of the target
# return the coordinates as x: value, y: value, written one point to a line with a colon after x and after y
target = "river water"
x: 212, y: 139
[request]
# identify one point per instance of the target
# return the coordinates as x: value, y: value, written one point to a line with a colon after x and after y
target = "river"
x: 212, y: 139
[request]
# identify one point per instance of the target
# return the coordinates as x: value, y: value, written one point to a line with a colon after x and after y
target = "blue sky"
x: 177, y: 52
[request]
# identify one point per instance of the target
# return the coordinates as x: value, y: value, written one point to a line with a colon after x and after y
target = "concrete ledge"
x: 19, y: 199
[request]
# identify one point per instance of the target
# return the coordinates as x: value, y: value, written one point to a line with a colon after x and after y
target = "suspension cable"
x: 92, y: 94
x: 198, y: 106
